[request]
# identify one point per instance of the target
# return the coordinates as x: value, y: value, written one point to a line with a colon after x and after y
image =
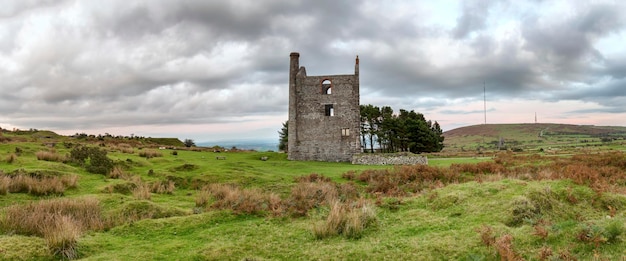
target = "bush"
x: 98, y: 162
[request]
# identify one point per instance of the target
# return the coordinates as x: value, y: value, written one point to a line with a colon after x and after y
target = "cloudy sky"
x: 214, y: 70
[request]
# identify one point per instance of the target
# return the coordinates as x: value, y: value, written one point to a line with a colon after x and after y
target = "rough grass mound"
x: 60, y: 222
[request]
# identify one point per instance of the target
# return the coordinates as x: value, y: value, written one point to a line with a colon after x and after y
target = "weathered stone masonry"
x: 324, y: 119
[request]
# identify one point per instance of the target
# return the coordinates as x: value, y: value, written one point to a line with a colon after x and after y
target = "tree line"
x: 385, y: 131
x: 396, y: 132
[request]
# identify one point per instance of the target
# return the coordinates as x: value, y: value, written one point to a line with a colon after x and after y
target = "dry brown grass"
x: 60, y: 222
x: 504, y: 246
x: 11, y: 158
x: 347, y: 219
x: 163, y: 187
x: 62, y: 237
x: 242, y: 201
x: 150, y: 154
x: 603, y: 172
x: 50, y: 156
x: 118, y: 172
x: 125, y: 148
x: 37, y: 185
x: 142, y: 191
x: 408, y: 179
x: 308, y: 195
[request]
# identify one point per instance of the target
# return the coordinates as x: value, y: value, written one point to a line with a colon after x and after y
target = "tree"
x: 189, y: 143
x: 283, y: 137
x: 370, y: 120
x: 405, y: 131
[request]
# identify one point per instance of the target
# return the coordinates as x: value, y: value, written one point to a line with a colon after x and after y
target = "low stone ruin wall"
x: 389, y: 159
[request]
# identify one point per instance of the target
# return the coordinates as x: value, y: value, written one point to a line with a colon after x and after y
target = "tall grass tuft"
x: 150, y: 154
x: 308, y: 195
x: 346, y: 219
x: 241, y: 201
x: 62, y: 237
x: 50, y: 156
x: 11, y: 158
x: 37, y: 185
x: 142, y: 191
x: 163, y: 187
x: 59, y: 221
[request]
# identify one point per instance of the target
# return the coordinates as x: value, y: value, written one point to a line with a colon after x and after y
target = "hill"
x: 531, y: 136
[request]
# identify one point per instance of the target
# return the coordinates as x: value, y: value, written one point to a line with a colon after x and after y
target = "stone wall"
x: 389, y: 159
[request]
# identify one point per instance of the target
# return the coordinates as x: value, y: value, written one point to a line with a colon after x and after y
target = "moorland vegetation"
x: 122, y: 198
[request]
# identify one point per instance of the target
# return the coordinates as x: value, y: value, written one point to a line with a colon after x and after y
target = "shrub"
x: 98, y: 162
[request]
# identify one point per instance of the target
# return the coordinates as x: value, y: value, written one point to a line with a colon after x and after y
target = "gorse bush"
x: 93, y: 159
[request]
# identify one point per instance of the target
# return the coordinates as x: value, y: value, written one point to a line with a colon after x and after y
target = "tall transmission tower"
x: 485, y: 101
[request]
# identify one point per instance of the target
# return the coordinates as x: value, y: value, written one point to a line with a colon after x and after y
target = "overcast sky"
x: 214, y: 70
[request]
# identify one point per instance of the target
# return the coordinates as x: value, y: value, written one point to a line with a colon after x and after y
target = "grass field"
x: 197, y: 204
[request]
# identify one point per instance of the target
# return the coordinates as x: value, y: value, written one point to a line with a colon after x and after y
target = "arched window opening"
x: 327, y: 87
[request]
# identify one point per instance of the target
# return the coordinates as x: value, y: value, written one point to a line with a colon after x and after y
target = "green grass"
x: 439, y: 223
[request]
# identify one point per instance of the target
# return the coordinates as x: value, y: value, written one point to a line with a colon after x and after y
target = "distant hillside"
x: 257, y: 145
x: 528, y: 136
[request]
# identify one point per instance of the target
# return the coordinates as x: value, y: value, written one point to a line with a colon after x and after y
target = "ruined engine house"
x: 324, y: 118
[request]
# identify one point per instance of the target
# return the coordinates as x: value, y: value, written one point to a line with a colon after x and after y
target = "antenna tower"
x: 485, y: 102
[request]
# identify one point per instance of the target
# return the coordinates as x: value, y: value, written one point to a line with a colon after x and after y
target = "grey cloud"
x: 123, y: 63
x: 473, y: 17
